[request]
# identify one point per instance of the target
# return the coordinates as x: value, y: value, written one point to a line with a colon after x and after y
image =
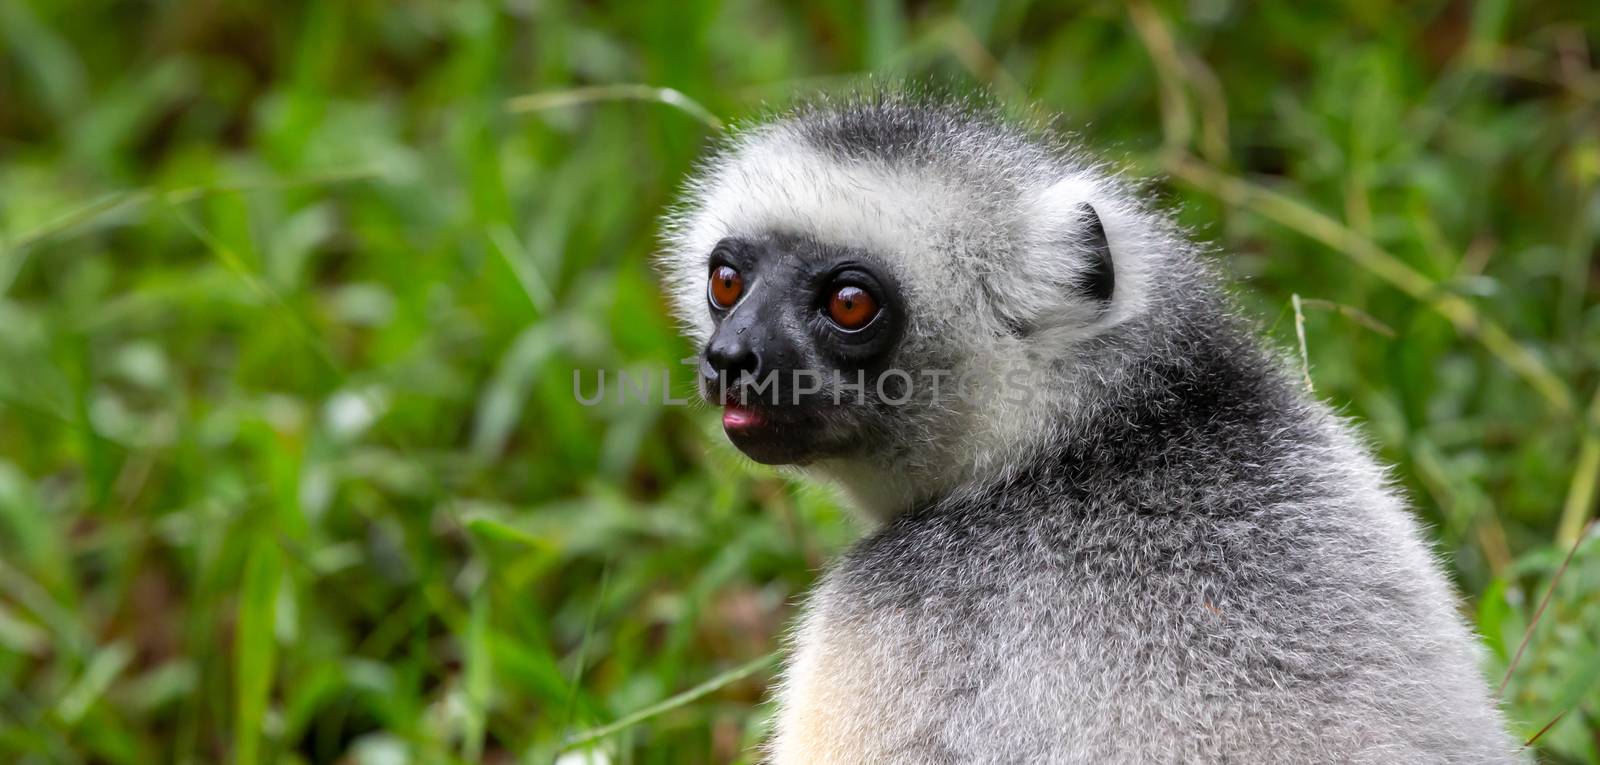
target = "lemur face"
x: 802, y: 333
x: 896, y: 283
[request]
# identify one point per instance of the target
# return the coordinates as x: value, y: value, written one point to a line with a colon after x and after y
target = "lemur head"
x: 903, y: 295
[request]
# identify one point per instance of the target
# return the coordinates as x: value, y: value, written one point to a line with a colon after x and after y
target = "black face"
x: 803, y: 332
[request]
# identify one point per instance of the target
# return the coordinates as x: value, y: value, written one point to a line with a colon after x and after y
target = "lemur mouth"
x: 755, y: 419
x: 739, y: 417
x: 771, y: 435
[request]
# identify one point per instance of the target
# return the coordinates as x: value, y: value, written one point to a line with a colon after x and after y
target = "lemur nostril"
x: 732, y: 358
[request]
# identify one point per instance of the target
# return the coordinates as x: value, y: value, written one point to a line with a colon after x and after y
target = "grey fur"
x: 1174, y: 555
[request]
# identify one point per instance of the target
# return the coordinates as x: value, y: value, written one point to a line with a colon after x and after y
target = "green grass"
x: 290, y: 295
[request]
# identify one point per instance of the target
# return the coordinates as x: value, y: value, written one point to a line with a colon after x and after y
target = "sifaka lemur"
x: 1108, y: 526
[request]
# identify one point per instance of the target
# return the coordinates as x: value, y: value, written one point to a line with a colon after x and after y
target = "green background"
x: 291, y: 294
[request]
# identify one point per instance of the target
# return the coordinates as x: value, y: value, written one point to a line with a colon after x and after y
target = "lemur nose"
x: 731, y: 357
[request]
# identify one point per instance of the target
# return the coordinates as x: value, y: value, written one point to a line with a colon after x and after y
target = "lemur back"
x: 1213, y: 571
x: 1168, y: 553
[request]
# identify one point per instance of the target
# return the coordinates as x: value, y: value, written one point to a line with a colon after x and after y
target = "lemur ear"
x: 1100, y: 278
x: 1068, y: 273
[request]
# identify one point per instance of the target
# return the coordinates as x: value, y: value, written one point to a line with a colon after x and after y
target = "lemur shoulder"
x: 1142, y: 542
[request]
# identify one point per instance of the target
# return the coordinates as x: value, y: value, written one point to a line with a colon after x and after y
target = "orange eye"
x: 852, y: 307
x: 726, y: 287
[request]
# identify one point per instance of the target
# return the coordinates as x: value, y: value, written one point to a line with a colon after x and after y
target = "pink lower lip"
x: 738, y: 417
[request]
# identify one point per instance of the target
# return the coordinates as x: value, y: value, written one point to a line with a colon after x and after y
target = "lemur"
x: 1141, y: 541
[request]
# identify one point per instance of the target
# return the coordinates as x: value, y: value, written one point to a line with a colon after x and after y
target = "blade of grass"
x: 495, y: 528
x: 69, y: 635
x: 92, y: 211
x: 255, y: 647
x: 1581, y: 491
x: 970, y: 51
x: 14, y: 253
x: 107, y: 663
x: 1354, y: 314
x: 1538, y: 613
x: 480, y: 676
x: 673, y: 702
x: 1300, y: 334
x: 80, y: 216
x: 1177, y: 124
x: 516, y: 257
x: 576, y: 685
x: 237, y: 265
x: 18, y: 636
x: 1534, y: 739
x: 560, y: 99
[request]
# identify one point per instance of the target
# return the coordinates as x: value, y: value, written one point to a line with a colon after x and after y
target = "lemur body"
x: 1157, y: 549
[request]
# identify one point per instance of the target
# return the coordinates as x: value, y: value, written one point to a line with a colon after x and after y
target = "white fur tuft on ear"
x: 1061, y: 252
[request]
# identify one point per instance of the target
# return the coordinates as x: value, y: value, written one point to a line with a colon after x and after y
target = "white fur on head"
x: 772, y: 181
x: 982, y: 227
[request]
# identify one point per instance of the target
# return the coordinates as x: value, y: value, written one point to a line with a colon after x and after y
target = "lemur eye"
x: 852, y: 307
x: 726, y: 287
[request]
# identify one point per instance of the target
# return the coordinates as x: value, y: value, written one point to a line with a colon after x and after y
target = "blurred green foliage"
x: 291, y: 294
